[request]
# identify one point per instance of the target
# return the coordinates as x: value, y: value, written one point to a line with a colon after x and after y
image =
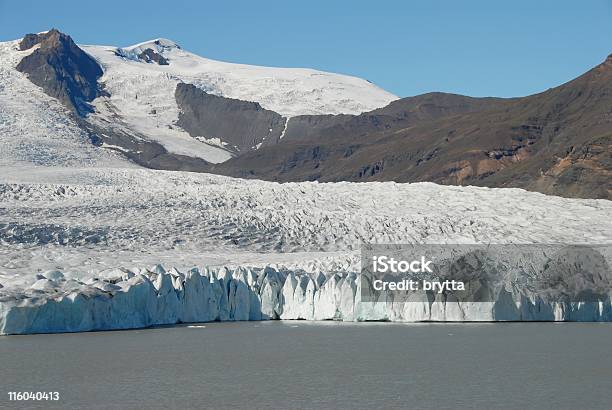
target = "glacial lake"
x: 288, y: 365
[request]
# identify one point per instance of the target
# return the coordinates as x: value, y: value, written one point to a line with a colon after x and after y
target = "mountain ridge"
x: 556, y: 142
x: 164, y: 108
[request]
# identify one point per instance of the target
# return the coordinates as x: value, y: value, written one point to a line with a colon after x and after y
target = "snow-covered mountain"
x: 36, y: 129
x: 162, y: 107
x: 142, y: 80
x: 288, y: 91
x: 137, y: 102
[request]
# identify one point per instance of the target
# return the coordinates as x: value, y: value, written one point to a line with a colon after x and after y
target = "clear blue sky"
x: 480, y: 48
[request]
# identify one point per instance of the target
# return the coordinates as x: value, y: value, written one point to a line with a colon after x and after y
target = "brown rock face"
x: 30, y: 40
x: 61, y: 69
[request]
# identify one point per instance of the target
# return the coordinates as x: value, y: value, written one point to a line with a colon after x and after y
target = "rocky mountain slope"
x: 37, y: 129
x: 239, y: 125
x: 558, y: 142
x: 147, y: 97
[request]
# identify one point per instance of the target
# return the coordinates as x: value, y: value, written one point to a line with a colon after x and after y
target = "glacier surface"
x: 114, y: 248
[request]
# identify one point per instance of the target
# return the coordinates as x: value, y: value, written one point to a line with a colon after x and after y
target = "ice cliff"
x: 126, y: 299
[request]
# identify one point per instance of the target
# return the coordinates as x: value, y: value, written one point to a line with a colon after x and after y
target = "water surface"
x: 317, y: 365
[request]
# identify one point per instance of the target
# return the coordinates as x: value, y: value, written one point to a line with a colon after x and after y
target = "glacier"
x: 115, y: 248
x: 155, y: 296
x: 90, y: 241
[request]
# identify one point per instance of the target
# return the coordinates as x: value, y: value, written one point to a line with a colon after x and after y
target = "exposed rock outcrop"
x: 241, y: 125
x: 61, y: 69
x: 149, y: 55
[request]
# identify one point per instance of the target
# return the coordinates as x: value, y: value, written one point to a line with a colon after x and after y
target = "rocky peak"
x: 61, y: 69
x: 31, y: 39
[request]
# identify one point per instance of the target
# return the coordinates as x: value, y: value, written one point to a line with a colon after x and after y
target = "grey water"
x: 287, y: 365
